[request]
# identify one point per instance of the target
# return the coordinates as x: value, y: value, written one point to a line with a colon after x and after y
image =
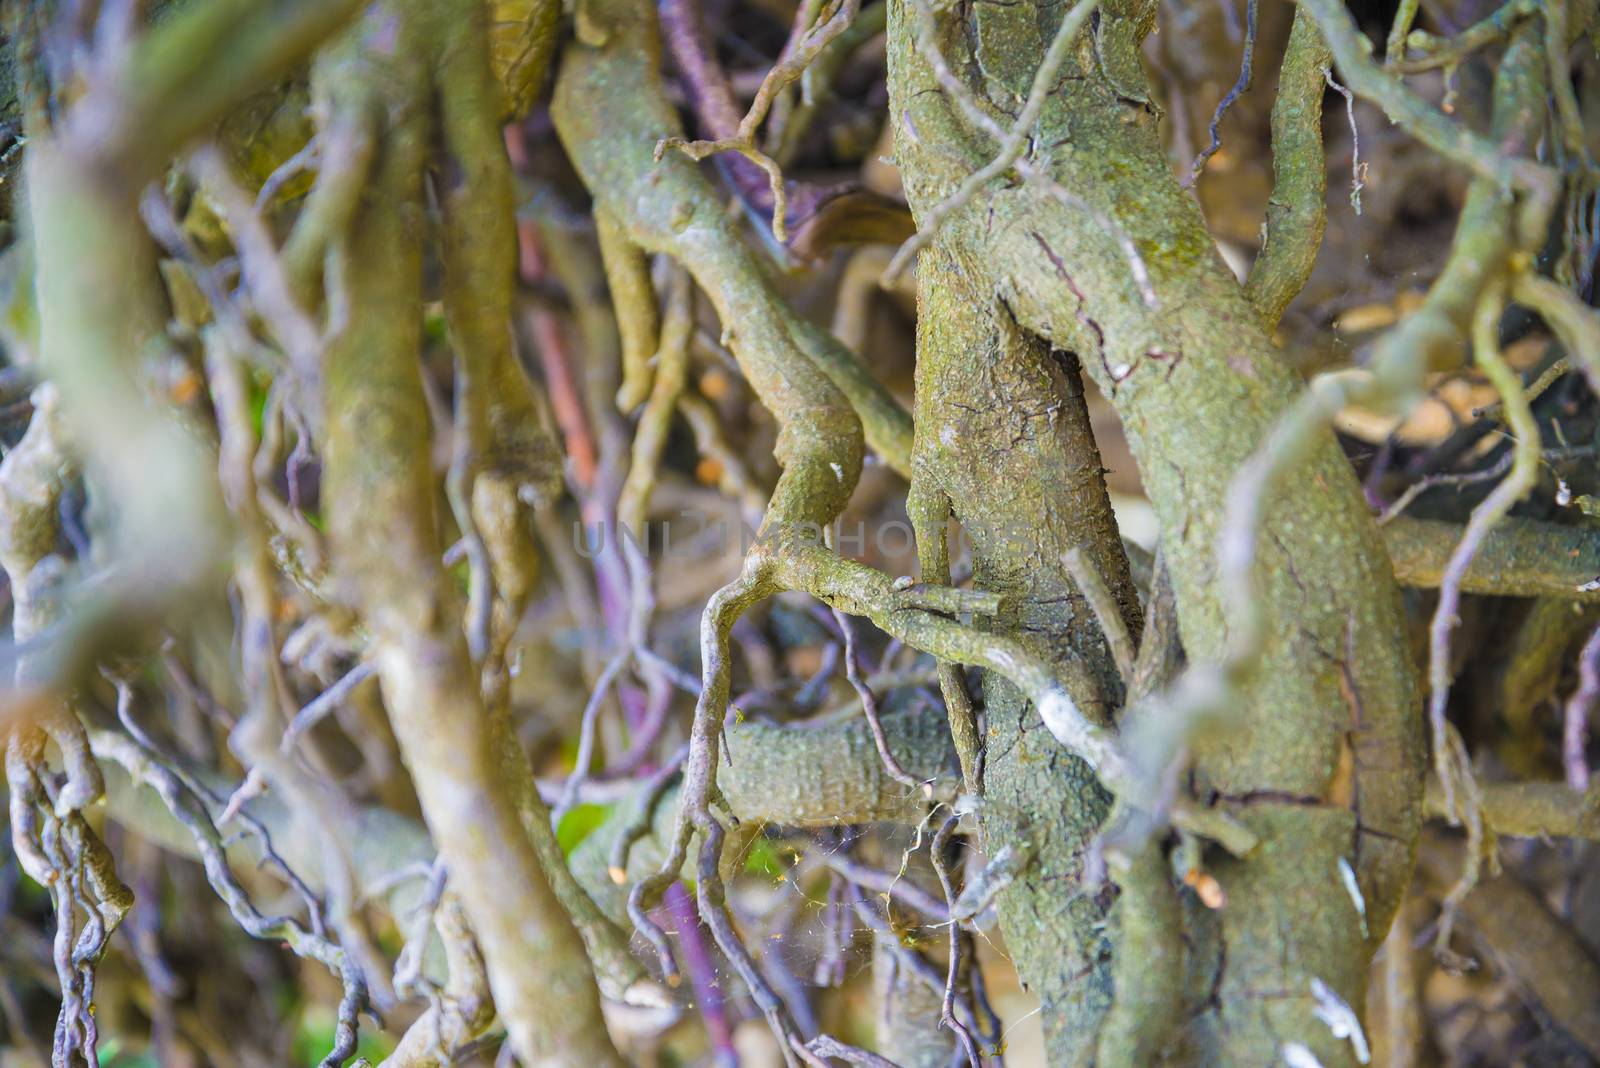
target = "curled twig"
x: 947, y: 1016
x: 1012, y: 141
x: 1575, y: 721
x: 797, y: 56
x: 1516, y: 485
x: 1240, y: 87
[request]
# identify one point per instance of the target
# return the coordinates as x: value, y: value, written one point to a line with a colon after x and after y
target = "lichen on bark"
x: 1322, y: 741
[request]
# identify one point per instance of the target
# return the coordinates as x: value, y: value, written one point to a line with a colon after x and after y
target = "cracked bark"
x: 1197, y: 384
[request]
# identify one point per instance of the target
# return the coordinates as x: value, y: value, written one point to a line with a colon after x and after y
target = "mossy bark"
x: 1323, y: 744
x: 1003, y: 443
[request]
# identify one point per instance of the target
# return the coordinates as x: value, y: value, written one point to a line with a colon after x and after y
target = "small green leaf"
x: 764, y: 858
x: 578, y: 823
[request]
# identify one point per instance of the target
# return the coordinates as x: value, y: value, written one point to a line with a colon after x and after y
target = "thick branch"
x: 1519, y: 558
x: 1531, y: 809
x: 380, y: 498
x: 1297, y: 214
x: 1198, y: 385
x: 1540, y: 954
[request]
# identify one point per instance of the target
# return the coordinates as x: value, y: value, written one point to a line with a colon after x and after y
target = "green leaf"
x: 765, y: 858
x: 578, y: 823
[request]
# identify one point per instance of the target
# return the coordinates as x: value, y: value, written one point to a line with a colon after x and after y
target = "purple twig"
x: 1575, y: 726
x: 702, y: 975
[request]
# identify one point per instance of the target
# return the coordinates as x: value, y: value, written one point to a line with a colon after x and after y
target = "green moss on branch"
x: 1199, y: 385
x: 1519, y: 558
